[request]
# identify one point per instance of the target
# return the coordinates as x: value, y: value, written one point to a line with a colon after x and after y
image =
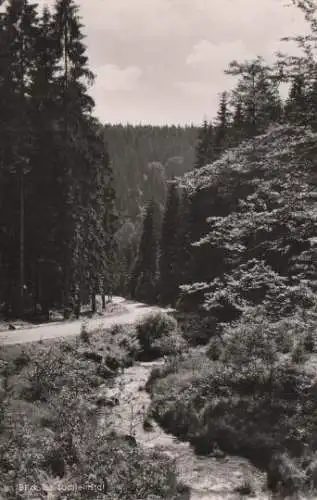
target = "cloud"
x: 218, y: 56
x: 112, y: 78
x: 194, y: 88
x: 163, y: 60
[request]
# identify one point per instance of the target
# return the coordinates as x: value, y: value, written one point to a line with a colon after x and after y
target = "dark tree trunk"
x: 93, y: 303
x: 77, y: 307
x: 21, y: 301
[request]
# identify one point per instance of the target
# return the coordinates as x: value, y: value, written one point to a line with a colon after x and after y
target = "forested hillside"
x: 143, y: 158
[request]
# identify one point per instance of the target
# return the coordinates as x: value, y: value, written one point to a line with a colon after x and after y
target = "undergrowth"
x: 253, y: 392
x: 50, y: 404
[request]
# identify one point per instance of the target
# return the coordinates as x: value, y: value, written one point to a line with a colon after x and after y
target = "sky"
x: 163, y: 61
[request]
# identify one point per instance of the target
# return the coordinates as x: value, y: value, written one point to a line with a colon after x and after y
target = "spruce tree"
x: 170, y: 248
x: 257, y: 93
x: 311, y: 115
x: 296, y: 107
x: 75, y: 106
x: 237, y: 132
x: 222, y: 138
x: 44, y: 201
x: 54, y: 164
x: 18, y: 37
x: 205, y: 145
x: 144, y: 278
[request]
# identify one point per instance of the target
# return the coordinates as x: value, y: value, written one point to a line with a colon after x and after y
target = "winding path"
x: 134, y: 311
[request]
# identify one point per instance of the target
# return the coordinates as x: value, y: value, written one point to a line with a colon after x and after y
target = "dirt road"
x: 58, y: 330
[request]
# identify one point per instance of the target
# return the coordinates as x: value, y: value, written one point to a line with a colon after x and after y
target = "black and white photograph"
x: 158, y: 249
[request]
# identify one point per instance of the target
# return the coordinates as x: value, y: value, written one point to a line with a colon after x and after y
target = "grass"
x: 49, y: 409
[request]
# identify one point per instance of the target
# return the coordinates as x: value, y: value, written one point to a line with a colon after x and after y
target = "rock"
x: 201, y: 445
x: 312, y: 472
x: 111, y: 402
x: 106, y: 398
x: 147, y: 425
x: 284, y: 475
x: 217, y: 452
x: 130, y: 439
x: 105, y: 372
x: 112, y: 363
x: 183, y: 492
x: 101, y: 401
x: 96, y: 380
x: 93, y: 356
x: 55, y: 463
x: 91, y: 408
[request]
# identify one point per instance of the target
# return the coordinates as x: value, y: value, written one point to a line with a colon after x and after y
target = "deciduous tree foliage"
x: 260, y: 245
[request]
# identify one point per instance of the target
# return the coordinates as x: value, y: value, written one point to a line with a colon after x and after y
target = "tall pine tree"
x: 76, y: 106
x: 257, y: 93
x: 296, y: 106
x: 222, y: 137
x: 170, y: 248
x: 144, y: 278
x: 18, y: 38
x: 205, y: 145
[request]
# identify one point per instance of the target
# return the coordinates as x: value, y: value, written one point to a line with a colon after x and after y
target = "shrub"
x: 215, y: 349
x: 172, y: 344
x: 22, y: 360
x: 154, y: 333
x: 124, y: 470
x: 196, y: 329
x: 84, y: 335
x: 44, y: 375
x: 154, y: 326
x: 298, y: 354
x: 117, y: 329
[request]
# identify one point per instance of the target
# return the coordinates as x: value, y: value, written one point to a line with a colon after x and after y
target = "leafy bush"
x: 158, y: 335
x: 169, y: 344
x: 154, y: 326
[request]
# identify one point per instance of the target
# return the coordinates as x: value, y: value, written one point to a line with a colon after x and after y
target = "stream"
x: 209, y: 478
